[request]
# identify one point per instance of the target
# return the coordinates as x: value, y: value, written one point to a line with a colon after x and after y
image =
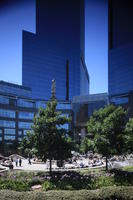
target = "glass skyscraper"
x: 120, y: 48
x: 56, y: 51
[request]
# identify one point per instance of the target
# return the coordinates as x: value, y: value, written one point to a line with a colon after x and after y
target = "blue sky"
x: 18, y: 16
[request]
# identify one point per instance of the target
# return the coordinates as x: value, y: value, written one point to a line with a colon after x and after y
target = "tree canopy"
x: 107, y: 128
x: 49, y: 139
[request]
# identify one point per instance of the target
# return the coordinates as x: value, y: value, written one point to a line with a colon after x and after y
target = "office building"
x: 83, y: 108
x: 17, y: 111
x: 120, y: 59
x: 57, y: 50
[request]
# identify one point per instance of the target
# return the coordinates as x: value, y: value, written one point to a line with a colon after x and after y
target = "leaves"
x: 48, y: 139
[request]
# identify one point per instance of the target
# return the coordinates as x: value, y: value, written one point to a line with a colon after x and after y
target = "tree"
x: 49, y: 138
x: 86, y: 145
x: 107, y: 126
x: 129, y: 136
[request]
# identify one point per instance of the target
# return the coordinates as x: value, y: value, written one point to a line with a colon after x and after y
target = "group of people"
x: 18, y: 162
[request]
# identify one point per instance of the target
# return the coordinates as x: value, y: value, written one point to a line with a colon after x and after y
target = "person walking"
x: 16, y: 162
x: 29, y: 161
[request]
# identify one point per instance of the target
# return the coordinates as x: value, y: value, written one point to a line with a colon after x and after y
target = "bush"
x: 14, y: 185
x: 109, y: 193
x: 47, y: 185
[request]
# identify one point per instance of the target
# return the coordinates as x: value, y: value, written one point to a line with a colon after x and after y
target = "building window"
x: 25, y: 125
x: 4, y: 123
x: 9, y: 137
x: 9, y: 131
x: 64, y: 106
x: 20, y: 133
x: 24, y: 103
x: 40, y: 104
x: 26, y: 115
x: 119, y: 100
x: 7, y: 113
x: 4, y: 100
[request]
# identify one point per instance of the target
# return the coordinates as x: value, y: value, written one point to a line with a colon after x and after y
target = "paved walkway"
x: 32, y: 167
x: 42, y: 167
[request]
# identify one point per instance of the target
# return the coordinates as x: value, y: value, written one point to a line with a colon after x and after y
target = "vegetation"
x: 109, y: 131
x: 108, y: 193
x: 48, y: 139
x: 69, y: 180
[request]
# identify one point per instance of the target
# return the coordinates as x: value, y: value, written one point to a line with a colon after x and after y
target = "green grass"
x: 128, y: 168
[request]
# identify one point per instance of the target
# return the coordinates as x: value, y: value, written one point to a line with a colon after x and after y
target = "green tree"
x: 86, y: 145
x: 129, y: 136
x: 107, y: 127
x: 49, y: 139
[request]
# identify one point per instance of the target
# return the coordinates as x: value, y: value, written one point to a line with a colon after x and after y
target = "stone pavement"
x: 32, y: 167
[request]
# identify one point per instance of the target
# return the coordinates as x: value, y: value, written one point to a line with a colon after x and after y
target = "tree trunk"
x: 106, y: 163
x: 50, y: 166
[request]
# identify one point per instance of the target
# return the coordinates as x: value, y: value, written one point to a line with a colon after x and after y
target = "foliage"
x: 49, y: 139
x: 108, y: 193
x: 47, y: 185
x: 107, y: 127
x: 128, y: 168
x: 14, y: 185
x: 86, y: 145
x: 69, y: 180
x: 129, y: 135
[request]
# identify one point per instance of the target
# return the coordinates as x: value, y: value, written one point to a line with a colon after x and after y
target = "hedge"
x: 108, y: 193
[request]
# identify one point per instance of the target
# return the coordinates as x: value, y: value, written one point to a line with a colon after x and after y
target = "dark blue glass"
x: 59, y: 37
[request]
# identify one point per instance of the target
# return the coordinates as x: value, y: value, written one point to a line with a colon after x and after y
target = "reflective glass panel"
x: 9, y: 137
x: 5, y: 123
x: 64, y: 106
x: 4, y: 100
x: 9, y: 131
x: 24, y: 103
x: 7, y: 113
x: 25, y: 125
x: 26, y: 115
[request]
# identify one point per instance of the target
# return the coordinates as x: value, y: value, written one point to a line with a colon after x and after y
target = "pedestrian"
x: 29, y: 161
x: 16, y: 161
x: 12, y: 158
x: 20, y: 162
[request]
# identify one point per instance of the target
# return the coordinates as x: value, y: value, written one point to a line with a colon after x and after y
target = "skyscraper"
x: 56, y: 50
x: 120, y: 47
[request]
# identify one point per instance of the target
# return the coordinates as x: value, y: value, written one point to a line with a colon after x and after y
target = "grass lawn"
x: 128, y: 168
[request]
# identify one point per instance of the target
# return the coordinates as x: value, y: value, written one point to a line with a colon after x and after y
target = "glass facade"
x: 25, y: 125
x: 9, y: 131
x: 0, y: 135
x: 25, y: 103
x: 119, y: 100
x: 120, y: 47
x: 4, y: 100
x: 9, y: 137
x: 84, y: 106
x: 59, y: 37
x: 26, y: 115
x: 7, y: 113
x: 64, y: 106
x: 14, y: 89
x: 40, y: 104
x: 5, y: 123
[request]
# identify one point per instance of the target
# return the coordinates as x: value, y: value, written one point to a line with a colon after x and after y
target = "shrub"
x: 47, y: 185
x: 109, y: 193
x: 14, y: 185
